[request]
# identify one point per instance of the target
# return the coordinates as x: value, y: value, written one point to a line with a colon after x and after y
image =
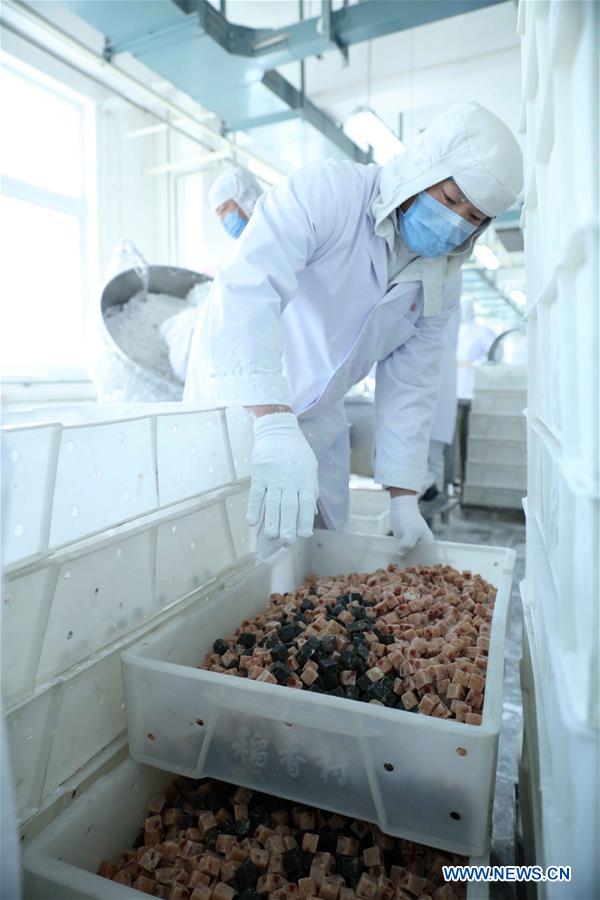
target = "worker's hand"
x: 408, y: 524
x: 283, y: 479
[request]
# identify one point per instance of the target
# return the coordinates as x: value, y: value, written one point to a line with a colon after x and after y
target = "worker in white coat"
x: 344, y: 265
x: 233, y: 196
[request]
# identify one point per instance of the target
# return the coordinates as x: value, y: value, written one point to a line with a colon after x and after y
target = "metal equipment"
x: 116, y: 376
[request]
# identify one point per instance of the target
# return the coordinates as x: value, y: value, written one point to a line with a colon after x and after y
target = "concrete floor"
x: 504, y: 529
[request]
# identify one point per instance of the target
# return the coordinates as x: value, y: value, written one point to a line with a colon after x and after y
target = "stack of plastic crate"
x: 496, y: 471
x: 561, y: 591
x: 111, y: 516
x: 125, y: 526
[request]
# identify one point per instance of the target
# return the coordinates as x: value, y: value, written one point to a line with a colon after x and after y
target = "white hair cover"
x: 235, y: 184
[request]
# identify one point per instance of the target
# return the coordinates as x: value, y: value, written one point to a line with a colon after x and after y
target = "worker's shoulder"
x: 336, y: 175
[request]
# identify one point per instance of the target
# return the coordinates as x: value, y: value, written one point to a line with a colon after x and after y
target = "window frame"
x: 83, y: 209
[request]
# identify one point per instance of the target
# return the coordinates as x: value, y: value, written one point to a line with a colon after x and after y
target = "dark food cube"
x: 246, y: 875
x: 139, y: 841
x: 358, y: 613
x: 328, y: 841
x: 258, y: 814
x: 356, y: 627
x: 188, y: 822
x: 364, y: 683
x: 348, y: 659
x: 356, y: 597
x: 330, y: 681
x: 352, y: 869
x: 353, y: 692
x: 210, y: 840
x: 303, y: 657
x: 377, y: 691
x: 271, y: 641
x: 387, y: 639
x: 282, y: 673
x: 361, y: 666
x: 220, y: 646
x: 249, y: 895
x: 247, y: 639
x: 312, y: 591
x: 394, y: 857
x: 338, y: 692
x: 327, y: 645
x: 279, y: 653
x: 288, y: 633
x: 243, y: 829
x: 387, y: 683
x: 390, y: 699
x: 327, y: 665
x: 362, y: 651
x: 293, y: 863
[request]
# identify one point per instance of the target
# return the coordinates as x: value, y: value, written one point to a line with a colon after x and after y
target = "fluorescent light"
x: 486, y: 257
x: 366, y: 128
x: 519, y: 297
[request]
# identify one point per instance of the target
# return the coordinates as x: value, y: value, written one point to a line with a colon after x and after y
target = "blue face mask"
x: 431, y: 229
x: 234, y: 224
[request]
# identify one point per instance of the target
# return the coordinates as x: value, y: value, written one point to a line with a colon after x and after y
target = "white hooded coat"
x: 305, y: 307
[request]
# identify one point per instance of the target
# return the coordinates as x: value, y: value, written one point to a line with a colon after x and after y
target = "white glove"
x: 408, y: 524
x: 283, y: 478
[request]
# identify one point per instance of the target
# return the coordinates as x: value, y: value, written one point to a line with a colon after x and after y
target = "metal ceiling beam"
x: 340, y: 29
x: 229, y: 68
x: 299, y: 103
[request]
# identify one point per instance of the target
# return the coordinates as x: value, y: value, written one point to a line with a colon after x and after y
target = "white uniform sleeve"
x: 406, y: 388
x: 243, y: 343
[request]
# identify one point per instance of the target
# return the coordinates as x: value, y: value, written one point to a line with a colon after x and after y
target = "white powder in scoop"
x: 135, y: 327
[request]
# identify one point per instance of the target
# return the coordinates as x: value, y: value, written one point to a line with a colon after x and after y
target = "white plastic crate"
x: 369, y: 512
x: 485, y: 474
x: 105, y: 474
x: 500, y: 498
x: 560, y: 46
x: 65, y: 482
x: 192, y: 456
x: 241, y: 438
x: 568, y: 757
x: 67, y: 617
x: 497, y: 428
x: 81, y: 600
x: 569, y: 629
x: 567, y: 521
x: 497, y: 453
x: 498, y: 403
x: 64, y: 859
x: 388, y: 766
x: 28, y: 465
x: 563, y: 392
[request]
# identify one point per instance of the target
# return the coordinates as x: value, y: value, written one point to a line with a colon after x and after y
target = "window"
x: 47, y: 217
